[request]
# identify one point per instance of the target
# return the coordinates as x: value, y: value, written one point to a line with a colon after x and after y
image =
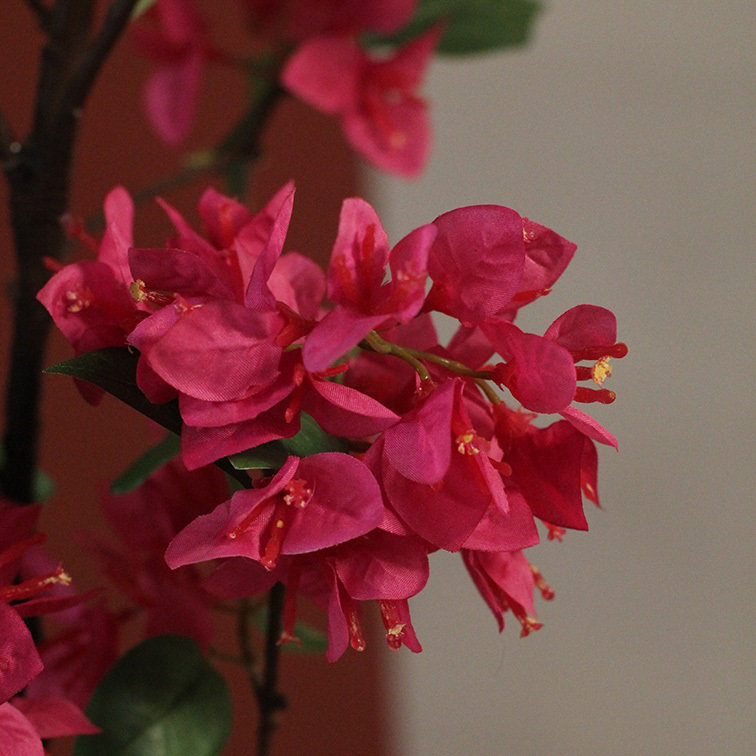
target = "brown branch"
x: 269, y: 700
x: 80, y: 83
x: 38, y: 174
x: 7, y: 138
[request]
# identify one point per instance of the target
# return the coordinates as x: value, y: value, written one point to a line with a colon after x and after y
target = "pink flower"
x: 438, y: 477
x: 355, y: 283
x: 487, y: 261
x: 506, y: 580
x: 179, y: 44
x: 332, y: 499
x: 145, y: 521
x: 381, y: 115
x: 24, y: 721
x: 378, y: 566
x: 89, y: 301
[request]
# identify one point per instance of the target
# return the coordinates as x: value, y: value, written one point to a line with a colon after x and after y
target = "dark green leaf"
x: 311, y: 439
x: 113, y: 369
x: 472, y: 26
x: 44, y: 488
x: 161, y: 699
x: 141, y: 469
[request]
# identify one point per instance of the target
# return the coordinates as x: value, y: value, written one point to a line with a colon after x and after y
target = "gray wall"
x: 624, y: 127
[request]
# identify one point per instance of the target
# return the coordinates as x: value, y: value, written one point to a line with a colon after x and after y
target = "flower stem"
x: 269, y: 700
x: 415, y: 357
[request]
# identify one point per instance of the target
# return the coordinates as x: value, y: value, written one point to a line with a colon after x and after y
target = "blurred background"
x: 626, y: 128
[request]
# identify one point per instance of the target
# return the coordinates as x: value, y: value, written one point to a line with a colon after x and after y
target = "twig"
x: 269, y: 700
x: 41, y: 11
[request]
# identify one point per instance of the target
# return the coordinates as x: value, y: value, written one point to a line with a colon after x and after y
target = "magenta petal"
x: 408, y: 262
x: 542, y: 374
x: 203, y: 414
x: 546, y: 468
x: 174, y: 270
x: 19, y: 736
x: 323, y: 72
x: 20, y: 660
x: 206, y: 537
x: 258, y: 296
x: 359, y: 256
x: 582, y: 326
x: 299, y: 283
x: 345, y: 411
x: 117, y: 239
x: 218, y: 351
x: 339, y: 331
x: 444, y: 514
x: 398, y: 140
x: 338, y: 632
x: 171, y: 97
x: 546, y: 256
x: 477, y: 260
x: 419, y: 447
x: 201, y: 446
x: 588, y: 426
x: 383, y: 566
x: 501, y: 530
x: 346, y: 502
x: 222, y: 217
x: 89, y: 305
x: 55, y: 717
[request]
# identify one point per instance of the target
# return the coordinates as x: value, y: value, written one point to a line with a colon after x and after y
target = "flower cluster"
x: 320, y: 58
x: 30, y: 586
x: 438, y: 446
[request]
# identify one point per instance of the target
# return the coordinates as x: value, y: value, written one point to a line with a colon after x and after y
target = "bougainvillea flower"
x: 89, y: 301
x: 355, y: 283
x: 179, y: 45
x: 207, y: 346
x: 447, y: 511
x: 378, y: 566
x: 547, y: 465
x: 506, y: 581
x: 488, y: 261
x: 145, y: 521
x: 77, y: 654
x: 539, y: 373
x: 382, y: 117
x: 332, y: 499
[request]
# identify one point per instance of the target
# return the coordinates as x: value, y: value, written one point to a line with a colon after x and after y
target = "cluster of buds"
x: 439, y: 447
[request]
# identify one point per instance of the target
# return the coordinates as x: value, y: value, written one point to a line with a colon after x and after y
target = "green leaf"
x: 141, y: 7
x: 113, y: 369
x: 163, y: 698
x: 311, y: 439
x: 44, y: 487
x: 141, y: 469
x: 472, y: 26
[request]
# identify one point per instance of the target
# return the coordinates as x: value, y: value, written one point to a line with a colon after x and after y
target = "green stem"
x: 415, y: 357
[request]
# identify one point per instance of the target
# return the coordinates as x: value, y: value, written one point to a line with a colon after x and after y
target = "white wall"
x: 624, y: 127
